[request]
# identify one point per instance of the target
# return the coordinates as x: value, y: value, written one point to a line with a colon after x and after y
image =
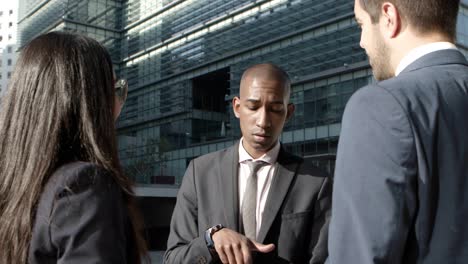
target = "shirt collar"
x: 269, y: 157
x: 420, y: 51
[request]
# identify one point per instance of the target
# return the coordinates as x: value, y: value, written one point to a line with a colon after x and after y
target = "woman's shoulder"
x: 80, y: 200
x: 79, y: 175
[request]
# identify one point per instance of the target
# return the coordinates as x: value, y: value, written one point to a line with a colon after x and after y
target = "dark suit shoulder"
x: 304, y: 168
x: 207, y: 163
x: 289, y: 160
x: 212, y: 156
x: 368, y: 94
x: 375, y: 102
x: 428, y: 83
x: 77, y: 176
x: 80, y: 217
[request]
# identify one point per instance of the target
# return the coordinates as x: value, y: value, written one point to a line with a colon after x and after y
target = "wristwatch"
x: 209, y: 237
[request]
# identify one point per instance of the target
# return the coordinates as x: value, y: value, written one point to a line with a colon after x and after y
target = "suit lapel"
x: 284, y: 176
x: 229, y: 184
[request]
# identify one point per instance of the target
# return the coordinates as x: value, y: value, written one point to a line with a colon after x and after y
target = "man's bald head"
x: 265, y: 71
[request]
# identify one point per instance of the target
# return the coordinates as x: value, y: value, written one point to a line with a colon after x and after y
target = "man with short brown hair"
x: 401, y: 178
x: 425, y: 17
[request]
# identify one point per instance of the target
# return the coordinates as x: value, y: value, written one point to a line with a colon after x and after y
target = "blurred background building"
x: 183, y: 60
x: 8, y: 32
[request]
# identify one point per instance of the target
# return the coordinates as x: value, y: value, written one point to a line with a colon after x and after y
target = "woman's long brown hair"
x: 59, y: 108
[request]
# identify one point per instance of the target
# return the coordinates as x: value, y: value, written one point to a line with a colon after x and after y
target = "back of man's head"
x: 425, y: 16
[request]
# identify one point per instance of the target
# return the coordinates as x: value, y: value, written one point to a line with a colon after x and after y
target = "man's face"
x: 262, y: 110
x: 374, y: 45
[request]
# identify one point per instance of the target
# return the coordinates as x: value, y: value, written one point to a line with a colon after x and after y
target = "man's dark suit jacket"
x: 401, y: 180
x: 295, y: 218
x: 81, y: 218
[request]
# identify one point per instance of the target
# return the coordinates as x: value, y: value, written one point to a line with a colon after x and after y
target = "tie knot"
x: 254, y: 166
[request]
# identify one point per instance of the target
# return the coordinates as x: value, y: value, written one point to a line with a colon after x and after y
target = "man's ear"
x: 390, y: 20
x: 291, y: 108
x: 236, y: 106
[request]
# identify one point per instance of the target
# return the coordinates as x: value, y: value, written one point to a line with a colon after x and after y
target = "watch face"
x: 217, y: 228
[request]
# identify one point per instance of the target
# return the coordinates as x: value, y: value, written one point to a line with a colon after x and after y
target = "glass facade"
x: 173, y: 44
x: 100, y: 19
x: 8, y: 42
x: 184, y: 58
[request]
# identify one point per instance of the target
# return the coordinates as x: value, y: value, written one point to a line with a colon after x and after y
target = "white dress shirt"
x: 264, y: 177
x: 420, y: 51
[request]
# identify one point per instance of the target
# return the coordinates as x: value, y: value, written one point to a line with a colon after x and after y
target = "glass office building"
x: 184, y: 58
x: 8, y: 35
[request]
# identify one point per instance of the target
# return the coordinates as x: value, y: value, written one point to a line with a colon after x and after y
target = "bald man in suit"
x: 211, y: 222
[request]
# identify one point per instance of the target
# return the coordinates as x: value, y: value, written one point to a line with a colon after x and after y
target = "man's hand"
x: 235, y: 248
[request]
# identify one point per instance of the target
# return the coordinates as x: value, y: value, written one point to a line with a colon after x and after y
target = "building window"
x: 11, y: 12
x: 1, y: 13
x: 9, y: 37
x: 10, y: 24
x: 9, y: 62
x: 9, y: 75
x: 1, y: 62
x: 9, y: 49
x: 209, y: 91
x: 0, y: 75
x: 1, y: 38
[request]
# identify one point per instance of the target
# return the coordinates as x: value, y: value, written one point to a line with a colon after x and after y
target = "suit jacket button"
x: 202, y: 260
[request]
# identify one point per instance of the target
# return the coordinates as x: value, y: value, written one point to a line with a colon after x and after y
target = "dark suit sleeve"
x: 322, y: 212
x: 87, y: 221
x: 374, y: 196
x: 184, y: 244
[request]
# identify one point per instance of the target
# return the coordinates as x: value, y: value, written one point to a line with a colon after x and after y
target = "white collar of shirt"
x: 269, y: 157
x: 420, y: 51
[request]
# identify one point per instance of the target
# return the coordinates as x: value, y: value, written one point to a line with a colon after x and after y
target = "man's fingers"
x: 247, y: 254
x: 230, y: 254
x: 222, y: 256
x: 237, y: 249
x: 261, y: 247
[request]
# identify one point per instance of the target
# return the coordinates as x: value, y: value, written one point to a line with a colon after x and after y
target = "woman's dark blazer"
x: 81, y: 218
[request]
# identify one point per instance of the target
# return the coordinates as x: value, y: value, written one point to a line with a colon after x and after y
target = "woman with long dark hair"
x: 63, y: 197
